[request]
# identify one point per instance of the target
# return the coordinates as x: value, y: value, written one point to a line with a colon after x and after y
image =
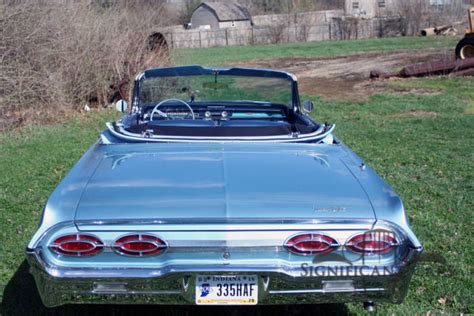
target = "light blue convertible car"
x: 216, y: 187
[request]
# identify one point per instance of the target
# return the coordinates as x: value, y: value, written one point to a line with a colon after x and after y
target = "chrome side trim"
x: 41, y: 234
x: 227, y: 220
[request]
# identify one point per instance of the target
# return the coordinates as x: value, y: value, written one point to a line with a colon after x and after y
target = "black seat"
x: 182, y: 123
x: 207, y: 128
x: 254, y: 123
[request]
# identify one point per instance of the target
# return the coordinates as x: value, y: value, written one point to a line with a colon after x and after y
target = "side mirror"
x: 308, y: 106
x: 121, y: 105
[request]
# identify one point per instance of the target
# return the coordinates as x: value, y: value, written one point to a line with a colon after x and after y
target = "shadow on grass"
x: 22, y: 298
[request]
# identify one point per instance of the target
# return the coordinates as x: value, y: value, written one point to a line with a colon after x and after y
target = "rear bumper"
x: 176, y: 284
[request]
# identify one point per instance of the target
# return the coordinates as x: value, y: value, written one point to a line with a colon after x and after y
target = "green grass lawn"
x: 421, y: 144
x: 219, y: 56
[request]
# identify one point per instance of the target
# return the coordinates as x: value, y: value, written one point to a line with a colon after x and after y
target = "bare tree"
x: 184, y: 16
x: 315, y: 5
x: 412, y: 15
x: 66, y: 55
x: 269, y: 6
x: 448, y: 13
x: 346, y: 28
x: 418, y: 14
x: 288, y: 6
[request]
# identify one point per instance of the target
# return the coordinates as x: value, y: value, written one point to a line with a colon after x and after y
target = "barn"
x: 215, y: 15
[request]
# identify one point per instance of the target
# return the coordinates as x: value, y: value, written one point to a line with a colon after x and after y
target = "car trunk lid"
x: 225, y: 183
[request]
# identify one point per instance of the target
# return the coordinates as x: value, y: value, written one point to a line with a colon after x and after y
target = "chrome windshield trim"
x: 197, y: 70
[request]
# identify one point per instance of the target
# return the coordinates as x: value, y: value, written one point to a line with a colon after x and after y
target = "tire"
x: 465, y: 48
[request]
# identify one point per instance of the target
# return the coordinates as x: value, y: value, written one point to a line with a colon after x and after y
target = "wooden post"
x: 357, y: 30
x: 381, y: 28
x: 288, y: 32
x: 226, y: 38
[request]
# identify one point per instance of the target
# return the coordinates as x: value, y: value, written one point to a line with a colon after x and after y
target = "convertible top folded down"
x: 209, y: 129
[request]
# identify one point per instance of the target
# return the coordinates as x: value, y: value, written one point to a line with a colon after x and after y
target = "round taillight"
x: 139, y: 245
x: 307, y: 244
x: 77, y: 245
x: 372, y: 242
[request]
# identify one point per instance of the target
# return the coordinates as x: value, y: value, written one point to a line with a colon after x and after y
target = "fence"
x: 336, y: 29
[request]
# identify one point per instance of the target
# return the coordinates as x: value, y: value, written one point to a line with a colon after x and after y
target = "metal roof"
x: 227, y: 11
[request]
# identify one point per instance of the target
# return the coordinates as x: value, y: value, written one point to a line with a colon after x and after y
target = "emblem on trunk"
x: 330, y: 209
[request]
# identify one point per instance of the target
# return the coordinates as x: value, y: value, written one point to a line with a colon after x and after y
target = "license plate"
x: 226, y: 289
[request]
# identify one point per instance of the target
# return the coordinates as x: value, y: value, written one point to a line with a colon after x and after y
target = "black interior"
x: 273, y: 120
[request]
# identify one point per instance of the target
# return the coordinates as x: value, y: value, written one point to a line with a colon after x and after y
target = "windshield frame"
x: 196, y: 70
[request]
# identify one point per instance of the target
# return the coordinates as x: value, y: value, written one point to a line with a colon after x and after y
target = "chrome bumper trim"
x: 176, y: 284
x: 35, y: 259
x: 317, y: 291
x: 171, y: 292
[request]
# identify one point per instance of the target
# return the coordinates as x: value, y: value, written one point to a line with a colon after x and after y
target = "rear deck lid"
x: 227, y: 183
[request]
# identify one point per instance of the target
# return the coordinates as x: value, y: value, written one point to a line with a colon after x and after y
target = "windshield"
x: 194, y: 103
x: 214, y: 87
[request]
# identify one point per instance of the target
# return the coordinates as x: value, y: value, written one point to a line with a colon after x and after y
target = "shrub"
x: 76, y: 52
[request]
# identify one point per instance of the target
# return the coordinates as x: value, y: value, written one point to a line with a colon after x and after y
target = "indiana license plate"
x: 226, y: 289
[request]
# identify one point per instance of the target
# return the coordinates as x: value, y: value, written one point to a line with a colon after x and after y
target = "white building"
x: 372, y: 8
x: 368, y: 8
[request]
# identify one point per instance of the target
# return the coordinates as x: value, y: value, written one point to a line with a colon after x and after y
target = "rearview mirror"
x: 121, y: 105
x: 308, y: 106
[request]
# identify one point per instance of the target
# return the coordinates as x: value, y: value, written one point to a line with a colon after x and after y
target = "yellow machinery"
x: 465, y: 47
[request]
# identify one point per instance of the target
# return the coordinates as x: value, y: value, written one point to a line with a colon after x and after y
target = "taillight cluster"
x: 307, y: 244
x: 371, y: 242
x: 138, y: 245
x: 77, y: 245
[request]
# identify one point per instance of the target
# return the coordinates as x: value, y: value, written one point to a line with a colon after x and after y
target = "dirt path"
x: 346, y: 77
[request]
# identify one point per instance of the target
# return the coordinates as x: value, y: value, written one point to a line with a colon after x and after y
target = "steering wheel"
x: 162, y: 114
